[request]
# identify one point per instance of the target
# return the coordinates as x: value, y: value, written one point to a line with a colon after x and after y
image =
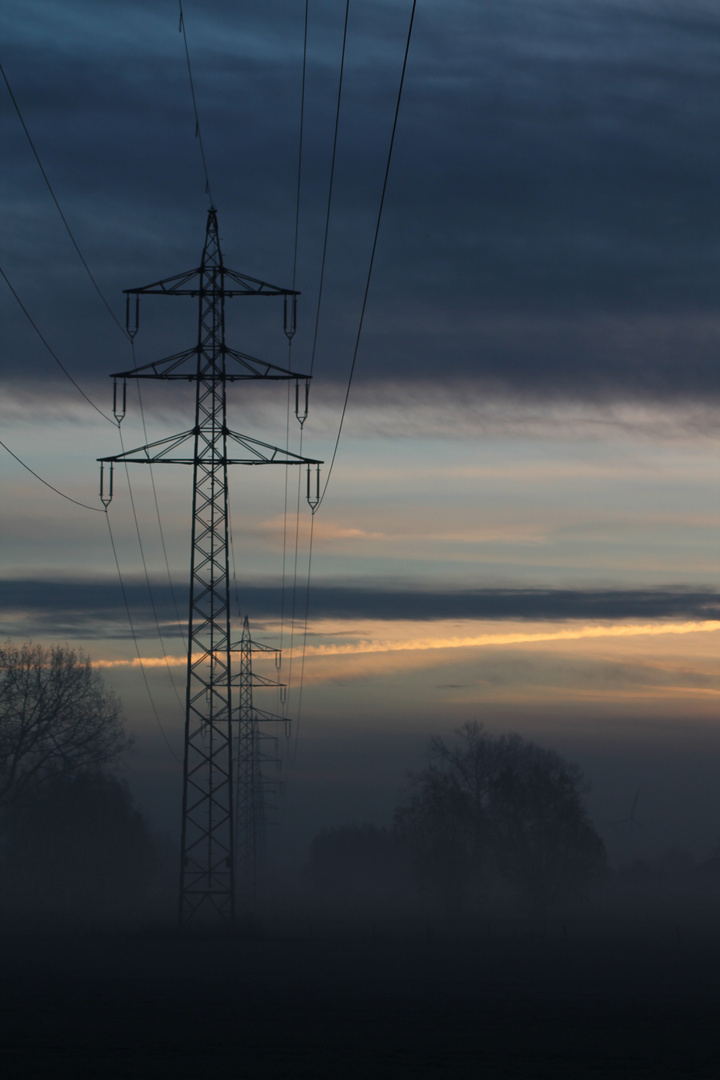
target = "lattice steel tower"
x: 253, y: 784
x: 208, y: 873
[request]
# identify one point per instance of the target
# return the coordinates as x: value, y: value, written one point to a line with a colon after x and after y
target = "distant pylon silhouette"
x: 252, y: 783
x: 207, y: 873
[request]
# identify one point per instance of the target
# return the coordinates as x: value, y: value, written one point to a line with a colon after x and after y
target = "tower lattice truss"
x: 257, y: 765
x: 213, y: 863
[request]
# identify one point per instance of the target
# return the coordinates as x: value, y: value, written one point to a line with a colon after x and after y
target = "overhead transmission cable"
x: 323, y: 261
x: 300, y: 146
x: 89, y: 272
x: 76, y: 501
x: 330, y: 187
x: 59, y: 363
x: 320, y: 298
x: 135, y: 641
x: 127, y: 472
x: 285, y: 522
x: 128, y: 337
x: 372, y: 256
x: 287, y: 422
x: 357, y: 341
x: 315, y: 340
x: 103, y: 510
x: 147, y: 576
x: 45, y: 482
x: 317, y: 311
x: 198, y: 133
x: 234, y: 568
x: 304, y: 643
x: 159, y: 521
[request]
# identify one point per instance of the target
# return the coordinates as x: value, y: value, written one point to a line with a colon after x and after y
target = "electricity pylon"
x: 207, y: 873
x: 252, y: 782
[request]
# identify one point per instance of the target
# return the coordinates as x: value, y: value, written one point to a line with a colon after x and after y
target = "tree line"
x: 488, y: 816
x: 72, y: 844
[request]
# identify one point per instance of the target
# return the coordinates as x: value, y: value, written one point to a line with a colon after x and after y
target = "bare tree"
x: 56, y: 718
x: 498, y: 807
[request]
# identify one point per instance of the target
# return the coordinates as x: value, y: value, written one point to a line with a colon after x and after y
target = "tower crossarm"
x: 263, y: 715
x: 260, y: 680
x: 177, y: 367
x: 191, y: 283
x: 257, y: 452
x: 252, y: 646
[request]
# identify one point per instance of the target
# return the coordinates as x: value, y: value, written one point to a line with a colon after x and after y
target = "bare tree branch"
x: 56, y: 717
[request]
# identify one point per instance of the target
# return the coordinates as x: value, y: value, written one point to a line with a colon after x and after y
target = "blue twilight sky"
x: 521, y: 527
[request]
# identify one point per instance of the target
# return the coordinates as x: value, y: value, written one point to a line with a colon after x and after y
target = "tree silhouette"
x: 76, y: 848
x: 56, y: 718
x: 72, y: 843
x: 498, y: 808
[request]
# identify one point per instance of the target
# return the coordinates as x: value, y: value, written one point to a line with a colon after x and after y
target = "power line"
x: 88, y: 399
x: 294, y: 276
x: 305, y: 627
x: 372, y: 256
x: 147, y: 576
x: 157, y: 511
x: 285, y: 521
x: 59, y: 363
x: 232, y: 553
x: 295, y: 569
x: 84, y: 395
x: 300, y: 144
x: 84, y: 505
x: 97, y: 288
x: 82, y: 392
x: 198, y: 133
x: 320, y: 293
x: 135, y: 640
x: 103, y: 510
x: 45, y: 482
x: 330, y: 189
x: 357, y: 339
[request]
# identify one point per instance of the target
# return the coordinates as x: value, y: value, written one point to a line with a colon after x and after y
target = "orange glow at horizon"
x: 373, y: 644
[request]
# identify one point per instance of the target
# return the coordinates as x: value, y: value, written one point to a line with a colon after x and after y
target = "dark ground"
x: 630, y: 1001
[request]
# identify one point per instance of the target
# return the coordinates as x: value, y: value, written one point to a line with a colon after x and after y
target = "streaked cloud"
x: 85, y: 607
x: 572, y: 633
x: 420, y: 643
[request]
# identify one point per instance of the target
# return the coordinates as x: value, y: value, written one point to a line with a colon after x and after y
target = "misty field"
x: 367, y: 1000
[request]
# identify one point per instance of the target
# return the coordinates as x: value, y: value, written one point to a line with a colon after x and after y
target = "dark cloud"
x: 97, y: 609
x: 548, y: 221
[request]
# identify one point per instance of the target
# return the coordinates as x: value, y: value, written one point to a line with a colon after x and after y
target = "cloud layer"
x: 547, y: 230
x: 96, y: 609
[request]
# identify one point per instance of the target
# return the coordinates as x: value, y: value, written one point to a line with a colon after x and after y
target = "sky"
x: 521, y: 524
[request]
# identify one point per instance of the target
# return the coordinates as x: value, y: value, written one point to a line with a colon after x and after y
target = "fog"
x: 654, y: 808
x: 344, y: 963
